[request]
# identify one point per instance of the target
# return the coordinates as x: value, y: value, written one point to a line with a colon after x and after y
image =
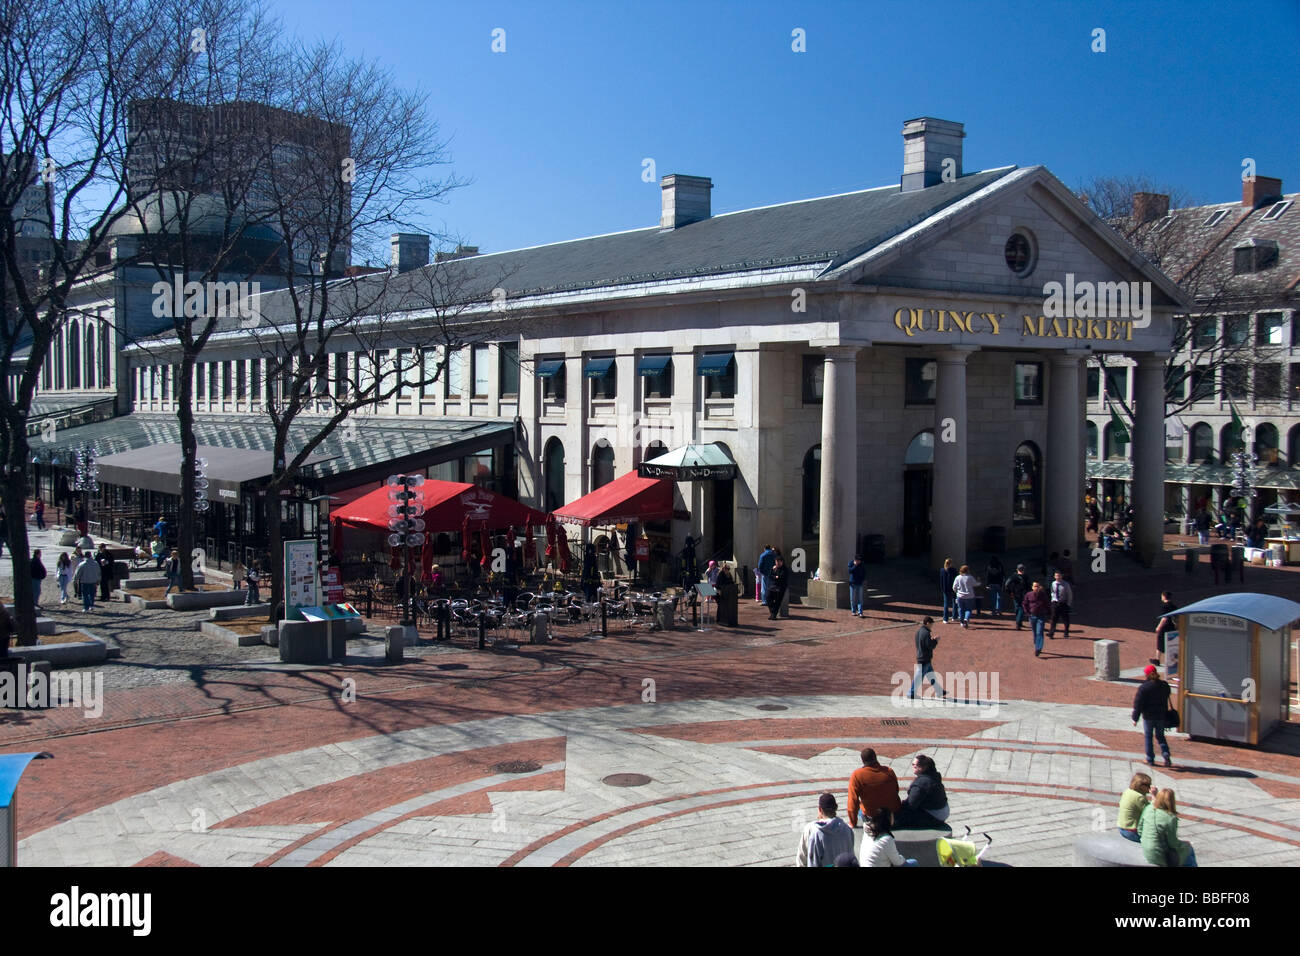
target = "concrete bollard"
x: 395, y: 640
x: 541, y: 628
x: 664, y: 615
x: 1105, y: 660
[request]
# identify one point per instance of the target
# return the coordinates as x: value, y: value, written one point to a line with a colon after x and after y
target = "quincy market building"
x: 879, y: 363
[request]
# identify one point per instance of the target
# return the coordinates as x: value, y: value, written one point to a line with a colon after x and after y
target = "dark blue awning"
x: 715, y: 363
x: 550, y: 369
x: 597, y: 367
x: 653, y: 364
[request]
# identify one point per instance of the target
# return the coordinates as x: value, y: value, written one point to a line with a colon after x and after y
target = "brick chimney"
x: 410, y: 250
x: 685, y: 200
x: 1260, y: 191
x: 927, y: 143
x: 1149, y: 206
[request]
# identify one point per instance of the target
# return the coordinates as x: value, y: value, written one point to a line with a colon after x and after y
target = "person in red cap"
x: 1152, y: 703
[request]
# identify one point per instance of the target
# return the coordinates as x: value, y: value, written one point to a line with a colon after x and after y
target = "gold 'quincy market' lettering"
x: 912, y: 321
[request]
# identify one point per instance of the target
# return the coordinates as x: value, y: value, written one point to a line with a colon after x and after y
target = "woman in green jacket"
x: 1158, y: 830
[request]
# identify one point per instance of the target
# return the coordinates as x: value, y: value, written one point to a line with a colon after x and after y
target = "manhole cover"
x: 626, y: 780
x: 894, y: 722
x: 452, y: 667
x: 518, y: 766
x: 772, y: 707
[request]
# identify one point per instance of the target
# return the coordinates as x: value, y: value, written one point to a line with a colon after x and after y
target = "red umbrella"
x: 464, y: 541
x: 550, y: 540
x: 530, y: 545
x: 485, y: 542
x: 565, y: 558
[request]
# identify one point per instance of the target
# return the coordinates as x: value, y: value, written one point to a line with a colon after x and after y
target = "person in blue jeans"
x: 1151, y: 703
x: 1039, y: 607
x: 857, y: 584
x: 947, y: 576
x: 1017, y: 587
x: 766, y: 561
x: 994, y: 577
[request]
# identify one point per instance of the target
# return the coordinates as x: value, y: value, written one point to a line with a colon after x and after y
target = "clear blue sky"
x: 554, y: 130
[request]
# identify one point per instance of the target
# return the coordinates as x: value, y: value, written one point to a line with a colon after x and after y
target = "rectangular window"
x: 214, y: 381
x: 200, y: 391
x: 227, y: 381
x: 341, y: 375
x: 1236, y: 330
x: 603, y: 374
x: 551, y: 372
x: 720, y: 383
x: 385, y: 372
x: 482, y: 371
x: 1234, y: 381
x: 366, y: 363
x: 1178, y: 381
x: 508, y: 353
x: 1094, y: 383
x: 1268, y: 382
x: 814, y: 379
x: 429, y: 373
x: 657, y: 373
x: 1205, y: 332
x: 1117, y: 381
x: 1202, y: 383
x: 455, y: 372
x: 1268, y: 329
x: 1295, y: 382
x: 406, y: 372
x: 241, y: 380
x: 1029, y: 383
x: 920, y: 376
x: 105, y: 356
x: 176, y: 383
x: 166, y: 389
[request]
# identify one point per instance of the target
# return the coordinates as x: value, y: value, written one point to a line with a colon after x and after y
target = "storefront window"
x: 1029, y: 383
x: 1027, y: 507
x: 920, y: 376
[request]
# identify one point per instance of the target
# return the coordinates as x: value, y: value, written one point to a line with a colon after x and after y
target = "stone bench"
x: 921, y: 845
x: 1108, y: 849
x: 202, y: 600
x: 136, y: 584
x: 312, y: 642
x: 231, y: 612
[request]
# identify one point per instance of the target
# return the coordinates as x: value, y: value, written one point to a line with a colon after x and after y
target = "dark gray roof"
x: 1282, y: 479
x: 830, y: 230
x: 383, y: 439
x: 1263, y: 609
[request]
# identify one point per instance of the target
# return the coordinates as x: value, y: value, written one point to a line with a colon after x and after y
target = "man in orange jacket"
x: 872, y: 788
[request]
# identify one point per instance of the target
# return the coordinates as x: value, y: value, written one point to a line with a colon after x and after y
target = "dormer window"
x: 1275, y: 213
x: 1254, y: 255
x: 1215, y: 218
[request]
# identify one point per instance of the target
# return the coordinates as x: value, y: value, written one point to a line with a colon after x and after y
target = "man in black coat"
x: 105, y: 562
x: 1151, y: 703
x: 925, y: 645
x: 778, y: 581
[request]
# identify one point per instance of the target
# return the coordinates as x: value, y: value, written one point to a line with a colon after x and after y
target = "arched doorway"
x: 602, y: 464
x: 918, y: 490
x: 553, y: 463
x: 720, y: 502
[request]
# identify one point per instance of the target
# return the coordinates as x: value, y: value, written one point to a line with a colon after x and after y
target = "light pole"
x: 407, y: 527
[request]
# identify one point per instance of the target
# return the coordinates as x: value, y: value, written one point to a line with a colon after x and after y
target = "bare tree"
x: 68, y: 72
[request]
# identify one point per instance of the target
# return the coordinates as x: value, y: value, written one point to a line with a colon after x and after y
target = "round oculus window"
x: 1019, y: 253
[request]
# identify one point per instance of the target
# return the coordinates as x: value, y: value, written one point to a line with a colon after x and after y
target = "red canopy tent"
x: 629, y: 498
x: 448, y: 506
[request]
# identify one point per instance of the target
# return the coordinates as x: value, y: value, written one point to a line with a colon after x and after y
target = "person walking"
x: 1165, y: 626
x: 1158, y: 833
x: 1202, y: 521
x: 252, y: 579
x: 1062, y: 597
x: 38, y: 576
x: 925, y: 645
x: 766, y: 561
x: 63, y: 574
x: 105, y: 561
x: 1017, y: 587
x: 857, y: 584
x: 778, y: 581
x: 173, y: 572
x: 823, y: 840
x: 1038, y: 606
x: 39, y: 513
x: 964, y: 588
x: 1151, y: 703
x: 995, y: 576
x: 85, y: 580
x: 947, y: 575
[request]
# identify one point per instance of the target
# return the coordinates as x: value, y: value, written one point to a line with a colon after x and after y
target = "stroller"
x: 962, y: 852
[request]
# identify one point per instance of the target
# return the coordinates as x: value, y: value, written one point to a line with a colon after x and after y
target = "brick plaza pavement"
x: 459, y: 756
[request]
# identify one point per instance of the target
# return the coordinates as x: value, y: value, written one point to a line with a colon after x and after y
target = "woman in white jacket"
x: 964, y: 588
x: 878, y: 846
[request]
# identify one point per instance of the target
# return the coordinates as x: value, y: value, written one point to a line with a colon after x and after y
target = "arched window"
x: 1266, y: 444
x: 1175, y: 437
x: 920, y: 451
x: 654, y: 450
x: 92, y: 370
x: 74, y: 355
x: 1202, y: 444
x: 602, y: 464
x: 1027, y: 507
x: 553, y: 464
x: 105, y: 355
x: 1093, y: 438
x: 812, y: 492
x: 1113, y: 445
x: 1230, y: 440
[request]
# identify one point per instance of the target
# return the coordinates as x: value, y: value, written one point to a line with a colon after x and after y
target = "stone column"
x: 1148, y: 489
x: 838, y: 517
x: 1062, y: 480
x: 948, y: 533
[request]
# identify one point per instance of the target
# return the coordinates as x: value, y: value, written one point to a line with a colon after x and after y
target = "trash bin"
x: 1237, y: 563
x: 1276, y: 555
x: 728, y: 604
x: 1190, y: 557
x: 664, y: 615
x: 995, y: 539
x: 541, y: 628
